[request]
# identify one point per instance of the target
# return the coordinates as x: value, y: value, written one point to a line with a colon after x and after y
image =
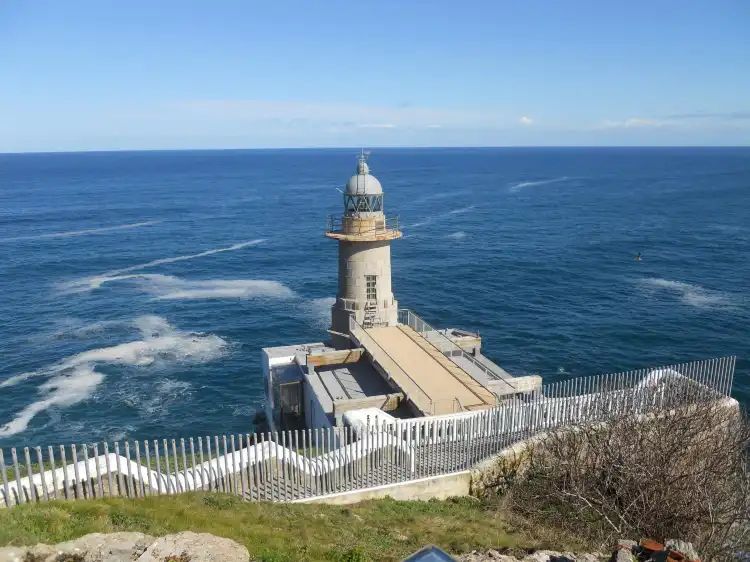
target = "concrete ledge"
x: 436, y: 487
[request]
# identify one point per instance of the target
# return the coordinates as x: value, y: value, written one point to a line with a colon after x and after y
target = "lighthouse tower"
x: 364, y: 234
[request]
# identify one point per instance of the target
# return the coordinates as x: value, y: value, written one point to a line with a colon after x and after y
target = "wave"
x: 80, y: 232
x: 691, y: 294
x: 75, y: 378
x: 460, y: 235
x: 520, y: 186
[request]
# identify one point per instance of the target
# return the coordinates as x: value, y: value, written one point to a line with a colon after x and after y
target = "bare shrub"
x: 680, y: 473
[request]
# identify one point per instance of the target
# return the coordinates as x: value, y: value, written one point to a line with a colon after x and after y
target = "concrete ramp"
x: 414, y: 363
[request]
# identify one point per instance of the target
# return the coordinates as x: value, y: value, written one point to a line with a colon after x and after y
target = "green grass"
x: 375, y: 530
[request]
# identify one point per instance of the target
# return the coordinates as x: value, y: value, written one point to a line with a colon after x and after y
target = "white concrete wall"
x: 437, y: 487
x: 315, y: 416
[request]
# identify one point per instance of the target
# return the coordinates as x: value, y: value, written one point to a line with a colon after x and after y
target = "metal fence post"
x: 149, y: 487
x: 141, y: 484
x: 4, y: 474
x: 17, y: 469
x: 106, y: 461
x: 130, y: 489
x: 40, y: 460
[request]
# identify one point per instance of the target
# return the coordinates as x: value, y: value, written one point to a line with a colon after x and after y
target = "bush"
x: 683, y: 474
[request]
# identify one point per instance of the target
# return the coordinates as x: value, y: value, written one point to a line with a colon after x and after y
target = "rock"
x: 39, y: 552
x: 593, y: 557
x: 200, y: 547
x: 622, y: 555
x: 112, y: 547
x: 542, y: 556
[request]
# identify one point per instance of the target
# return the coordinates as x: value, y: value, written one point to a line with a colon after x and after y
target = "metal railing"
x: 448, y: 347
x: 365, y: 225
x: 408, y: 385
x: 370, y: 451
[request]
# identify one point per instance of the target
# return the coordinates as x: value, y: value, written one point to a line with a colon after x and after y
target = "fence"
x: 373, y: 449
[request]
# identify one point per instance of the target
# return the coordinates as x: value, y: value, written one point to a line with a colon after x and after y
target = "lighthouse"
x: 364, y: 234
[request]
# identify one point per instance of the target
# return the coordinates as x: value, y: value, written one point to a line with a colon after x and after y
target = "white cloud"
x: 526, y: 121
x: 378, y: 126
x: 632, y: 123
x: 345, y: 116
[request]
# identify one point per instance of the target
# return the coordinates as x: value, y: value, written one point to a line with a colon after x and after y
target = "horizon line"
x: 389, y: 147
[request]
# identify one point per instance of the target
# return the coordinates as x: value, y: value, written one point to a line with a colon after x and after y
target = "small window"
x: 375, y: 203
x: 372, y: 287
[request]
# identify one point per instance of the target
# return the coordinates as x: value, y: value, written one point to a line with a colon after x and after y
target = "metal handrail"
x: 453, y: 347
x: 336, y: 224
x: 354, y: 324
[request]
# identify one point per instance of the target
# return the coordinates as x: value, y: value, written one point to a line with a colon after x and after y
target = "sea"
x: 138, y: 288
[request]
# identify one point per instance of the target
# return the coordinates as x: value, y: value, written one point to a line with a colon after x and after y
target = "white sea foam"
x: 164, y: 394
x: 61, y: 391
x: 89, y: 283
x: 460, y: 210
x: 460, y: 235
x: 170, y: 287
x: 522, y: 185
x: 318, y: 312
x: 439, y: 216
x: 75, y: 378
x: 692, y: 294
x: 80, y: 232
x: 440, y: 195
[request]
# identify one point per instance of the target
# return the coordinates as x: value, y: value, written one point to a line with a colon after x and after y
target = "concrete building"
x: 379, y: 358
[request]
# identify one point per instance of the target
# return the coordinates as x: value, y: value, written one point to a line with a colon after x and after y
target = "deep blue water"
x: 535, y: 248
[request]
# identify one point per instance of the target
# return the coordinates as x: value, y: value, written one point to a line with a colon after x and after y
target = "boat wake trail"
x: 80, y: 232
x: 185, y: 258
x: 433, y: 218
x: 170, y: 287
x: 519, y: 186
x: 83, y: 285
x: 75, y: 378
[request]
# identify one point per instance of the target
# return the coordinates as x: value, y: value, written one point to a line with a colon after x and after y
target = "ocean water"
x: 137, y: 288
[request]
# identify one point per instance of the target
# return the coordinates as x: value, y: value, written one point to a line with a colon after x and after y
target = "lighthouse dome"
x: 363, y: 183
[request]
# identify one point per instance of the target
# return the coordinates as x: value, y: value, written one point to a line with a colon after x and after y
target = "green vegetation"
x: 375, y: 530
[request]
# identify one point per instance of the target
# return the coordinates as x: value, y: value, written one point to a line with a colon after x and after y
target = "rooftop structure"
x: 379, y: 357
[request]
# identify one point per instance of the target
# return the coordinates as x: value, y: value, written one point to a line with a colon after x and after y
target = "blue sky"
x: 101, y: 75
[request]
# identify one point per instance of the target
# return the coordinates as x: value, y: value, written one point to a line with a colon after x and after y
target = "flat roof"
x: 353, y: 380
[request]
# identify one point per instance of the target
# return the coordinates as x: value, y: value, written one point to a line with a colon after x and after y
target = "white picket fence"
x: 373, y: 449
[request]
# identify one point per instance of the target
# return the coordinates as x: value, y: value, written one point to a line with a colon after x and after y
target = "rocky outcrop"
x: 197, y: 547
x: 537, y: 556
x: 132, y: 547
x: 625, y: 551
